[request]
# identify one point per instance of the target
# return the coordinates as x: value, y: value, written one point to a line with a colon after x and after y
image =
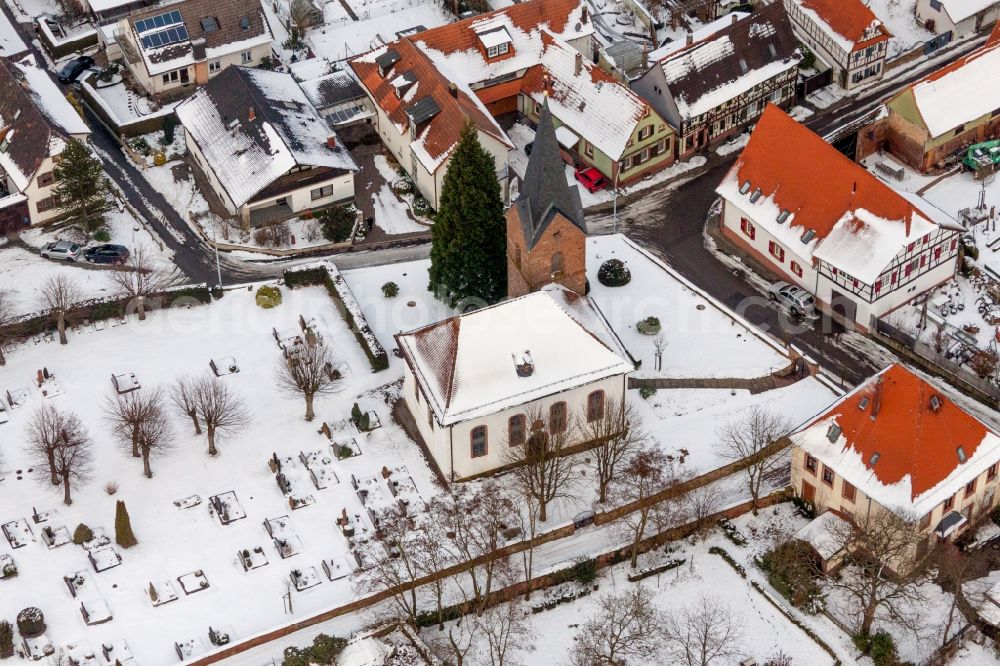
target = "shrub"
x: 585, y: 570
x: 169, y: 125
x: 421, y: 206
x: 6, y: 639
x: 614, y: 273
x: 124, y: 536
x: 983, y: 363
x: 160, y: 158
x: 403, y: 186
x: 789, y: 571
x: 649, y: 326
x: 102, y: 236
x: 30, y: 623
x: 730, y: 532
x: 324, y: 651
x: 879, y: 646
x: 646, y: 392
x: 268, y: 297
x: 337, y: 223
x: 344, y: 452
x: 808, y: 57
x: 140, y: 145
x: 356, y: 414
x: 82, y: 534
x: 390, y: 290
x: 111, y: 487
x: 805, y: 506
x: 971, y: 251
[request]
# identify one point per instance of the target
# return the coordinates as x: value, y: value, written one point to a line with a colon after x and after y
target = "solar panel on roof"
x: 164, y: 20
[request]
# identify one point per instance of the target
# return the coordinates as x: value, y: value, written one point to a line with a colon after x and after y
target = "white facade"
x: 959, y: 18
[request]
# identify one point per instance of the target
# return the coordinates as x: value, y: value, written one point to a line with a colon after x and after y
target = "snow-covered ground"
x: 10, y: 42
x: 899, y: 17
x: 344, y: 40
x: 123, y: 105
x: 25, y: 10
x: 392, y: 213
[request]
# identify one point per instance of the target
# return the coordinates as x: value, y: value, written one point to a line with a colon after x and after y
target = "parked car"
x: 797, y: 300
x: 106, y: 254
x: 74, y: 68
x: 591, y: 178
x: 62, y: 250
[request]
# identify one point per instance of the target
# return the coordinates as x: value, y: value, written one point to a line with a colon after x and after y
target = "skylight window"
x: 808, y: 235
x: 756, y: 195
x: 210, y: 24
x: 782, y: 216
x: 961, y: 455
x: 833, y: 433
x: 935, y: 403
x: 863, y: 403
x: 745, y: 187
x: 874, y: 459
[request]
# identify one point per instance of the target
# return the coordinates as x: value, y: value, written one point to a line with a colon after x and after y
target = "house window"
x: 644, y: 155
x: 645, y: 132
x: 828, y: 476
x: 796, y: 268
x: 214, y: 66
x: 48, y: 203
x: 970, y: 489
x: 557, y: 263
x: 811, y: 463
x: 246, y: 57
x: 847, y: 491
x: 503, y: 48
x: 595, y: 406
x: 478, y: 441
x: 626, y: 163
x: 492, y: 52
x: 949, y: 503
x: 321, y: 192
x: 557, y: 417
x: 991, y: 473
x: 925, y: 521
x: 171, y: 77
x: 746, y: 226
x: 776, y: 251
x: 516, y: 430
x: 45, y: 179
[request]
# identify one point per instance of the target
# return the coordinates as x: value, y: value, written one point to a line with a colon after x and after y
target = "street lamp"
x: 218, y: 270
x: 614, y: 200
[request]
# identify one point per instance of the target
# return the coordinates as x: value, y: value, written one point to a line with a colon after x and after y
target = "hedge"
x: 326, y: 274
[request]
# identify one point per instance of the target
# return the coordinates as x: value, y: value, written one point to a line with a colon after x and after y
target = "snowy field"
x: 346, y: 40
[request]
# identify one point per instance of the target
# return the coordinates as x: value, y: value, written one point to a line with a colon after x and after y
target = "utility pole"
x: 215, y: 243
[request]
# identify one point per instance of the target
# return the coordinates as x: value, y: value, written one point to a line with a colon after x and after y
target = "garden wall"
x: 60, y: 47
x: 124, y: 129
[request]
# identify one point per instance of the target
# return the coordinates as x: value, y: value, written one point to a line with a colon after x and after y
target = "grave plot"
x: 305, y: 578
x: 41, y: 517
x: 219, y: 636
x: 320, y: 465
x: 78, y: 654
x: 188, y: 502
x: 288, y: 338
x: 286, y: 542
x: 48, y: 385
x: 314, y: 329
x: 18, y: 533
x: 374, y: 495
x: 189, y: 647
x: 125, y: 383
x: 227, y: 507
x: 104, y: 558
x: 224, y: 366
x: 37, y: 647
x: 18, y: 397
x: 289, y: 477
x: 337, y: 567
x: 99, y: 540
x: 404, y: 489
x: 252, y: 558
x: 353, y: 526
x: 80, y: 585
x: 95, y: 611
x: 196, y: 581
x: 368, y: 552
x: 161, y: 593
x: 8, y: 569
x: 346, y: 448
x: 118, y: 652
x: 55, y: 537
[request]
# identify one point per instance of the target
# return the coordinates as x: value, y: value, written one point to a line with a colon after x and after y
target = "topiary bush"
x: 124, y: 536
x: 268, y: 297
x: 649, y: 326
x: 30, y: 622
x: 646, y: 392
x: 390, y: 290
x: 82, y: 534
x: 421, y: 206
x: 614, y: 273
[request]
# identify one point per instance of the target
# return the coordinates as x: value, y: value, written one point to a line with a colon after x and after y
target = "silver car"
x: 796, y: 300
x: 65, y: 250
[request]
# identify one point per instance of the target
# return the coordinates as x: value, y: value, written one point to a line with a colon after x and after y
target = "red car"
x: 591, y: 178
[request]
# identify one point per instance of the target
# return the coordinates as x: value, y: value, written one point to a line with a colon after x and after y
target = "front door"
x: 185, y: 78
x: 808, y: 492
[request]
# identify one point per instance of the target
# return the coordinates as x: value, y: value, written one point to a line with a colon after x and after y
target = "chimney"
x: 251, y: 114
x: 690, y: 39
x: 453, y: 90
x: 584, y: 17
x: 734, y: 19
x: 877, y: 397
x: 331, y: 142
x: 578, y: 65
x: 198, y: 49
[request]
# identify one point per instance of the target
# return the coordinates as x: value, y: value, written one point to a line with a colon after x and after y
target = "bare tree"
x: 6, y: 316
x: 749, y: 437
x: 453, y: 645
x: 139, y: 279
x: 541, y: 468
x: 619, y: 429
x: 395, y: 562
x: 435, y: 557
x: 647, y: 473
x: 155, y: 436
x: 507, y: 633
x: 700, y: 504
x: 702, y: 633
x: 59, y: 294
x: 627, y: 628
x: 308, y: 372
x: 125, y: 413
x: 956, y: 572
x: 209, y: 400
x: 59, y: 442
x: 883, y: 572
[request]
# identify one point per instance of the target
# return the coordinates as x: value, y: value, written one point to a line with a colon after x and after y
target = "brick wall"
x: 530, y: 270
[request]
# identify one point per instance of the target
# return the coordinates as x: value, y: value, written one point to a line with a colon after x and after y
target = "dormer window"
x: 496, y: 42
x: 498, y: 50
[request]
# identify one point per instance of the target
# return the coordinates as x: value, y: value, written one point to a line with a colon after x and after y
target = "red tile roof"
x: 910, y: 436
x: 811, y: 179
x: 848, y: 18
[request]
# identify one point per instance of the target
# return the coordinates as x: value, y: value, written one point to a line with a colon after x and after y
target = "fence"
x: 936, y: 363
x: 814, y: 83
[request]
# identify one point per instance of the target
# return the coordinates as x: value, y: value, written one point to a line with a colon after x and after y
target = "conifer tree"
x: 123, y: 527
x: 80, y: 187
x: 469, y: 249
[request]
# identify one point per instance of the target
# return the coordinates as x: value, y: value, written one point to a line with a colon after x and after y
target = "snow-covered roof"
x: 331, y: 89
x: 731, y: 61
x: 253, y: 126
x: 955, y: 94
x: 855, y: 222
x: 51, y: 100
x: 466, y: 365
x: 902, y: 441
x: 698, y: 35
x: 821, y: 534
x: 959, y: 10
x: 10, y: 42
x: 849, y: 23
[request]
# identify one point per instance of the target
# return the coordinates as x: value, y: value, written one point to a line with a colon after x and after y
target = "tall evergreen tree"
x: 124, y: 536
x: 469, y: 249
x: 80, y: 187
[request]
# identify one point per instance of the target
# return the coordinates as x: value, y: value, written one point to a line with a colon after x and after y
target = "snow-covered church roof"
x: 467, y: 366
x: 254, y: 125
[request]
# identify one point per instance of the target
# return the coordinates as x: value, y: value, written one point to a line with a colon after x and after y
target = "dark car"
x: 74, y: 68
x: 106, y: 254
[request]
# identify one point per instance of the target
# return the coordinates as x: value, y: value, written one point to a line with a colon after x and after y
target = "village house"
x: 845, y: 35
x: 946, y: 110
x: 714, y: 88
x: 898, y: 443
x: 264, y: 150
x: 810, y: 214
x: 172, y: 49
x: 546, y: 232
x: 959, y: 17
x: 472, y: 382
x: 36, y: 120
x: 338, y: 97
